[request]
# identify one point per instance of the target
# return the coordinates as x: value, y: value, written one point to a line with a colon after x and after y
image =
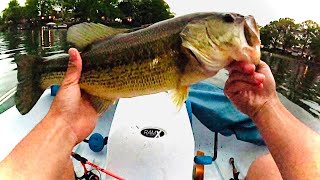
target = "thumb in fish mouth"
x: 74, y: 68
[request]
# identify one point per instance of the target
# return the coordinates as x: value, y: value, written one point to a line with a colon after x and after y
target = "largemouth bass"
x: 169, y: 55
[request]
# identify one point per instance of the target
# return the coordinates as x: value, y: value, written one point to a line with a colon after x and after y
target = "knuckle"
x: 249, y: 78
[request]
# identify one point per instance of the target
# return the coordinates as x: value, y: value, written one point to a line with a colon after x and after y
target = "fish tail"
x: 28, y: 89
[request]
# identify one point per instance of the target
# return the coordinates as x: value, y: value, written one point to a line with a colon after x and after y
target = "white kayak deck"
x: 15, y: 126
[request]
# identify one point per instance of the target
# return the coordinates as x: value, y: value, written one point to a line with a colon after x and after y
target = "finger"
x: 255, y: 78
x: 241, y: 66
x: 262, y: 66
x: 74, y: 68
x: 241, y: 86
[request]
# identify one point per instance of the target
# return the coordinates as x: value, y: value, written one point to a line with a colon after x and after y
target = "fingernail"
x: 259, y: 77
x: 72, y: 53
x: 249, y: 68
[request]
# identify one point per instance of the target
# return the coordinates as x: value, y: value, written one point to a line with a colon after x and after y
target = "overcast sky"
x: 263, y: 10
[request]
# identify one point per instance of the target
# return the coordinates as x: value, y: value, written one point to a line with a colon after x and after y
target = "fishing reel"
x: 200, y: 160
x: 89, y: 175
x: 96, y: 142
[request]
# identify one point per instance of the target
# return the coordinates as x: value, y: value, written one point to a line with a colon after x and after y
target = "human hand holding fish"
x: 250, y: 87
x: 73, y: 105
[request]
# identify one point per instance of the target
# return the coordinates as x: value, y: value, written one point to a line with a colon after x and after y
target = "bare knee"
x: 264, y: 168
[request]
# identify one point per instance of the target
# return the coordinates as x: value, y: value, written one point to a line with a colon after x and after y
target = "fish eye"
x: 228, y: 18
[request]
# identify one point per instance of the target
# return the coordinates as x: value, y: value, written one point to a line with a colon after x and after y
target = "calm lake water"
x: 296, y: 80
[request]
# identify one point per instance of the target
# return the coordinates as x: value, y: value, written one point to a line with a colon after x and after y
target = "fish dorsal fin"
x: 179, y: 96
x: 84, y: 34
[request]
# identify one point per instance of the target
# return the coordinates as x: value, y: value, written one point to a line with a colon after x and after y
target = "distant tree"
x: 151, y: 11
x: 307, y: 32
x: 45, y: 7
x: 67, y: 7
x: 13, y: 3
x: 1, y: 20
x: 14, y: 13
x: 92, y: 9
x: 146, y: 11
x: 111, y: 9
x: 269, y: 35
x: 32, y: 9
x: 59, y: 3
x: 127, y: 7
x: 281, y: 33
x: 287, y: 32
x: 315, y: 46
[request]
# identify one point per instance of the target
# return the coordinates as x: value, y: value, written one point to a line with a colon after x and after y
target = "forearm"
x: 294, y: 147
x: 42, y: 154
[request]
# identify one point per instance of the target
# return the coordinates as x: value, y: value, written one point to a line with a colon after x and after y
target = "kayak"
x: 133, y: 145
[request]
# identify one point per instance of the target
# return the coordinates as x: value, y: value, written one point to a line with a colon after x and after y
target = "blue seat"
x: 217, y: 113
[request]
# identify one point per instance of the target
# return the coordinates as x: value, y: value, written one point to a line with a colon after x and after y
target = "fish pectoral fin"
x: 84, y: 34
x: 179, y: 95
x: 100, y: 104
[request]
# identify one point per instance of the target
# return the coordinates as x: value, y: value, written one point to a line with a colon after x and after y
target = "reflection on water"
x: 42, y: 42
x: 298, y: 81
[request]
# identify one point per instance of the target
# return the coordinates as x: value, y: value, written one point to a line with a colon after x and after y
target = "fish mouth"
x: 251, y: 31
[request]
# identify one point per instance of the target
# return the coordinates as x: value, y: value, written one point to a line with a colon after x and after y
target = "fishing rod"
x: 88, y: 174
x: 235, y: 172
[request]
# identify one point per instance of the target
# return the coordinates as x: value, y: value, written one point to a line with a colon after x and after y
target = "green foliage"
x: 141, y: 11
x: 127, y: 8
x: 151, y: 11
x: 315, y: 46
x: 94, y: 10
x: 67, y: 7
x: 13, y: 3
x: 269, y: 35
x: 307, y: 32
x: 1, y: 20
x: 285, y: 34
x: 146, y: 11
x: 45, y: 7
x: 13, y: 13
x: 32, y: 9
x: 280, y: 34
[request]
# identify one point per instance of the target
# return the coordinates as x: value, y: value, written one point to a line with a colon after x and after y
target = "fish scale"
x: 140, y: 79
